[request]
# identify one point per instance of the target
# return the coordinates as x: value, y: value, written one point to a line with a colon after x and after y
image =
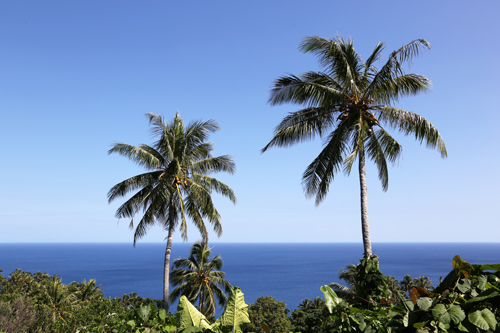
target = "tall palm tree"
x: 177, y: 182
x: 348, y: 105
x: 199, y: 278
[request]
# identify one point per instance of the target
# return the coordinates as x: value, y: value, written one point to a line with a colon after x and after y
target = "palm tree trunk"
x: 365, y: 225
x: 166, y: 268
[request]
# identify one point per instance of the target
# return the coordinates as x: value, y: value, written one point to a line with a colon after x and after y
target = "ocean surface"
x: 289, y: 272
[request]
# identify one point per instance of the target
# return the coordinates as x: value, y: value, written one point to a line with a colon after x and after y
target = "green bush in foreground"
x: 468, y: 300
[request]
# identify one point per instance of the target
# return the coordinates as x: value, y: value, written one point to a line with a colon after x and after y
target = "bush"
x: 272, y: 313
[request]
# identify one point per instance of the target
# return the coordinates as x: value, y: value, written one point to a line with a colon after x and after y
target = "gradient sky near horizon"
x: 77, y: 76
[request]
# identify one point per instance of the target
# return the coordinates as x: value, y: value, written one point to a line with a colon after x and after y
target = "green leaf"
x: 162, y: 314
x: 492, y: 267
x: 456, y: 314
x: 235, y: 314
x: 144, y: 312
x: 424, y: 303
x: 483, y: 319
x: 419, y: 325
x: 481, y: 282
x: 188, y: 315
x: 465, y: 286
x: 462, y: 328
x: 331, y: 298
x: 131, y: 323
x: 440, y: 313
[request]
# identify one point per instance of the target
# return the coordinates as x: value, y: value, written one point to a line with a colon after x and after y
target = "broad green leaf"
x: 456, y: 314
x: 162, y: 314
x: 331, y: 298
x: 462, y: 328
x: 424, y: 303
x: 492, y: 267
x: 490, y: 286
x: 443, y: 326
x: 481, y: 282
x: 440, y: 313
x: 144, y: 312
x: 131, y: 323
x: 483, y: 319
x: 464, y: 286
x: 235, y: 314
x: 169, y: 328
x: 188, y: 315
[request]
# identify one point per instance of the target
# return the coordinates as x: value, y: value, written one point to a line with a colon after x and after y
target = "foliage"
x: 199, y: 278
x: 235, y: 314
x: 17, y: 315
x: 310, y: 316
x: 271, y: 313
x: 132, y: 300
x: 348, y: 104
x: 467, y: 300
x: 177, y: 182
x: 407, y: 283
x: 149, y: 319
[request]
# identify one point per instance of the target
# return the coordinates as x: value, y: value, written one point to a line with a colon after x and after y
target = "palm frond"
x: 338, y: 56
x: 301, y: 126
x: 215, y: 164
x: 132, y: 184
x: 318, y: 175
x: 314, y: 89
x: 139, y: 155
x: 382, y: 87
x: 411, y: 123
x: 376, y: 153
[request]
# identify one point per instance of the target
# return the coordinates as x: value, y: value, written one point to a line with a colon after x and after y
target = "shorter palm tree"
x: 58, y: 297
x: 86, y: 292
x: 200, y: 279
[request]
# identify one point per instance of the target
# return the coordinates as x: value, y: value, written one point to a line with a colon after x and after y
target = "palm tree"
x: 58, y: 297
x: 348, y: 104
x: 86, y: 291
x: 177, y: 183
x: 199, y: 278
x: 350, y: 291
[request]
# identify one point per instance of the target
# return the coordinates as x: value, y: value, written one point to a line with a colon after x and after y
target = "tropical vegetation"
x: 177, y: 182
x: 200, y: 279
x: 349, y: 104
x: 467, y: 300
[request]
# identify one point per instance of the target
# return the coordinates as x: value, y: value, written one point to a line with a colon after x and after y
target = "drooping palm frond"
x: 301, y: 126
x: 318, y: 175
x: 143, y: 155
x: 411, y: 123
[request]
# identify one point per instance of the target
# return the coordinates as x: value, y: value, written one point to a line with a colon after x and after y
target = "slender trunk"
x: 201, y: 301
x: 365, y: 226
x: 166, y: 268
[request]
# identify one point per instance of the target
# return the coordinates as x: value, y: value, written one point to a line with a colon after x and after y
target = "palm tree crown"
x: 348, y: 104
x: 199, y: 278
x: 177, y: 183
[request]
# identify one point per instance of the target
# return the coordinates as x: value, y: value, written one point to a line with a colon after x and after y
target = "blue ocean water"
x: 288, y: 271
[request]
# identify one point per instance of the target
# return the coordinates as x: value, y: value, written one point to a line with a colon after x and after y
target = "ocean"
x: 290, y: 272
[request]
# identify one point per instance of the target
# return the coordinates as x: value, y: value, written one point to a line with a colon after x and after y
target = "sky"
x: 78, y: 76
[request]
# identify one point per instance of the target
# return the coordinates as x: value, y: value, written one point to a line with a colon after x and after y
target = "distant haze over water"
x: 288, y: 271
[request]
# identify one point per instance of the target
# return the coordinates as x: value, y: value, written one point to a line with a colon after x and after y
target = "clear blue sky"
x: 76, y: 76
